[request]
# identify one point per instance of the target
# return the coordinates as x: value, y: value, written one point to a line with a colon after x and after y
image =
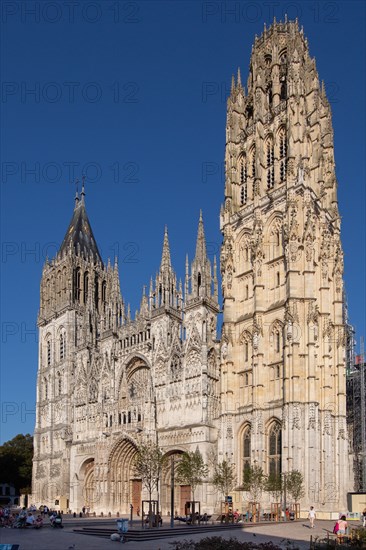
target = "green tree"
x: 191, y: 470
x: 148, y: 463
x: 295, y: 485
x: 273, y: 485
x: 224, y: 477
x: 254, y: 482
x: 16, y: 462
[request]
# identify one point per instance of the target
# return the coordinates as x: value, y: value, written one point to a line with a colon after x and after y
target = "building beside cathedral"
x: 272, y: 391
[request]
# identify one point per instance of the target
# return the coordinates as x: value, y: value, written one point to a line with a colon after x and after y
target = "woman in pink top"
x: 342, y: 526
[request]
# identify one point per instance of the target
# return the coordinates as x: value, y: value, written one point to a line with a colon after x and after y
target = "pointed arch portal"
x: 123, y: 487
x: 182, y: 493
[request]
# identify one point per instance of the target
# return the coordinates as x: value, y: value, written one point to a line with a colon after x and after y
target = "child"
x: 312, y: 516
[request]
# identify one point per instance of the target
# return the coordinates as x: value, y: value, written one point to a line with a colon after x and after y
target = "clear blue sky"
x: 133, y: 93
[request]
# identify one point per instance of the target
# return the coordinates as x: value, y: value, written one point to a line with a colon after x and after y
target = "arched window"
x: 268, y: 60
x: 243, y: 172
x: 86, y: 287
x: 246, y: 379
x: 104, y: 292
x: 270, y: 163
x: 246, y: 351
x: 274, y: 450
x: 278, y: 341
x: 283, y: 93
x: 76, y: 284
x: 278, y: 278
x: 246, y: 449
x: 59, y: 285
x: 252, y: 162
x: 45, y: 388
x: 62, y: 346
x: 282, y: 154
x: 48, y: 353
x: 246, y: 292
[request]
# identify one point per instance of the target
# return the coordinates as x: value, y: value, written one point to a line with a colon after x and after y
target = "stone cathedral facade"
x: 271, y: 390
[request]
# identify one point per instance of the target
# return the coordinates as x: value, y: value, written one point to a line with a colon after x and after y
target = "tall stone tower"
x: 283, y: 350
x: 80, y: 299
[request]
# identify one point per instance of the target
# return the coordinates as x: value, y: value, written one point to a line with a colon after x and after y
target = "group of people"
x: 28, y: 518
x: 341, y: 525
x: 20, y: 518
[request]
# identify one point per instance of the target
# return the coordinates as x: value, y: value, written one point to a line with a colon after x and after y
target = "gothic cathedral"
x: 271, y: 390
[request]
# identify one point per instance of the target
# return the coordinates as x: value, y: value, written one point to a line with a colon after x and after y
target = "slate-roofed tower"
x: 283, y: 371
x: 80, y: 299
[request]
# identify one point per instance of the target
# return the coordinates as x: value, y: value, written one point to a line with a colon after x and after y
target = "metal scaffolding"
x: 356, y: 417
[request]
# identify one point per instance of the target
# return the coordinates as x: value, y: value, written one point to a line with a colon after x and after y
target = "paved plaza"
x: 63, y: 539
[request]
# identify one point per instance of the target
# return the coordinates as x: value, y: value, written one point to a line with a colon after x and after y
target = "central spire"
x: 165, y: 258
x: 201, y: 241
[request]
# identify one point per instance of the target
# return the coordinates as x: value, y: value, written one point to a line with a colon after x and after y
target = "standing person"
x: 312, y: 516
x: 364, y: 517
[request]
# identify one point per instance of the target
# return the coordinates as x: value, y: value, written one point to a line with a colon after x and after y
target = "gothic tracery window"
x: 59, y: 287
x: 246, y: 449
x: 270, y: 163
x: 282, y: 154
x: 104, y: 293
x: 76, y: 284
x: 86, y: 287
x: 283, y: 93
x: 278, y: 341
x: 243, y: 180
x: 62, y: 346
x: 59, y: 383
x: 48, y: 352
x: 274, y: 450
x: 252, y: 162
x: 283, y: 57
